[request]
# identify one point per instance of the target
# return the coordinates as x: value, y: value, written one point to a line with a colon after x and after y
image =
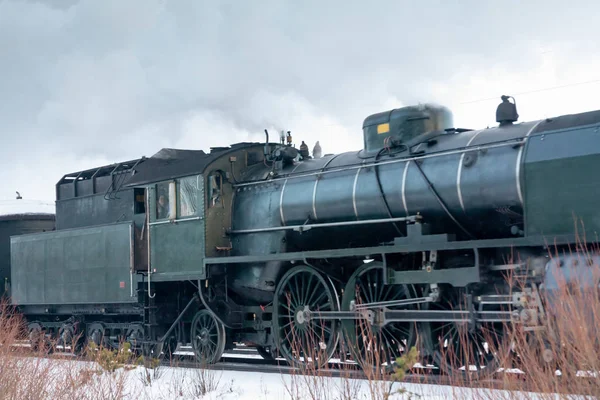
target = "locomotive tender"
x: 259, y: 243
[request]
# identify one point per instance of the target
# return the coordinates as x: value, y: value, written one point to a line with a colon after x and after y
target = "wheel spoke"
x: 371, y: 297
x: 312, y: 294
x: 307, y: 289
x: 208, y: 337
x: 297, y: 335
x: 465, y: 354
x: 317, y: 300
x: 298, y: 290
x: 386, y: 341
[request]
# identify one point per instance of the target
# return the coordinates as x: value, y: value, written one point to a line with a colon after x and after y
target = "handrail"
x: 510, y: 142
x: 306, y: 227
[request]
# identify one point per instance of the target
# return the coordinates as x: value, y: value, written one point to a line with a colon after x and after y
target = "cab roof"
x: 176, y: 163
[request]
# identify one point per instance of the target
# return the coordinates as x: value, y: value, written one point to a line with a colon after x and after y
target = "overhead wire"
x: 536, y: 91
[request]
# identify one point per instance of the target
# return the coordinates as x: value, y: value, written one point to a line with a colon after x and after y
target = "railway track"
x: 247, y: 359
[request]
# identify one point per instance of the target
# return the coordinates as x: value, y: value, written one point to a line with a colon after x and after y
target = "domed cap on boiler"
x: 404, y: 124
x: 506, y: 113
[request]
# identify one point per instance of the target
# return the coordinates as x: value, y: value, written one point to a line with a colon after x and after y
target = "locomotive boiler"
x: 261, y: 244
x: 471, y: 184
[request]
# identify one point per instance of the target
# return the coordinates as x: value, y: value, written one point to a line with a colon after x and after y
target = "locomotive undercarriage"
x: 323, y: 307
x: 312, y: 316
x: 370, y: 311
x: 150, y: 327
x: 392, y: 317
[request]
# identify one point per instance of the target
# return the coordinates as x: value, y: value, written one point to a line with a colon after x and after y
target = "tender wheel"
x: 96, y: 335
x: 391, y: 340
x: 37, y: 339
x: 135, y: 337
x: 457, y: 350
x: 208, y: 337
x: 69, y: 337
x: 301, y: 339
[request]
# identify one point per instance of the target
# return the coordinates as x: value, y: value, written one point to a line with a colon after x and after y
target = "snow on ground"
x: 183, y: 383
x: 72, y: 379
x: 23, y: 206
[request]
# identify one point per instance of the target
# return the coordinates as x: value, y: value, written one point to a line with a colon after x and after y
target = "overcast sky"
x: 87, y: 83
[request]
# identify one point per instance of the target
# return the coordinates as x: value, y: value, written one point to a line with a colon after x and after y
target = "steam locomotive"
x: 262, y: 244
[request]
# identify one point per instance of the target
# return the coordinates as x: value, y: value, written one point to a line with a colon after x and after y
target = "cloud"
x: 87, y: 82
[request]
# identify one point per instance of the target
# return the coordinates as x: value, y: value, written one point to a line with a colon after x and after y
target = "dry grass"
x: 562, y: 357
x: 554, y: 356
x: 34, y: 374
x: 558, y: 359
x: 557, y: 355
x: 42, y: 372
x: 382, y: 370
x: 313, y: 376
x: 176, y: 382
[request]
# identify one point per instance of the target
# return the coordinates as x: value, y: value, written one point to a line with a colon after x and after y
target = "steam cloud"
x: 90, y: 82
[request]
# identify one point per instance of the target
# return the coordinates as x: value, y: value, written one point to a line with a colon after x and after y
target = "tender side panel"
x: 78, y: 266
x: 562, y: 182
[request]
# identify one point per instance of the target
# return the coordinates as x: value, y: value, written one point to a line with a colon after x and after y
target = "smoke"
x: 87, y: 82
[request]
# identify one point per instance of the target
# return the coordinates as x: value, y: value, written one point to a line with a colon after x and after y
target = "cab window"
x: 164, y: 200
x: 215, y: 189
x: 139, y: 195
x: 188, y: 196
x: 177, y: 199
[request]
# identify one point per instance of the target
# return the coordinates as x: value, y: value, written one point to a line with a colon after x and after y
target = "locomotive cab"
x: 403, y: 125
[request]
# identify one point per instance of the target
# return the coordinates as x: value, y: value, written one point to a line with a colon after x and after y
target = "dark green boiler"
x: 512, y: 181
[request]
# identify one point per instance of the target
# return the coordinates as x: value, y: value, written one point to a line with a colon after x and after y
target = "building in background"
x: 18, y: 217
